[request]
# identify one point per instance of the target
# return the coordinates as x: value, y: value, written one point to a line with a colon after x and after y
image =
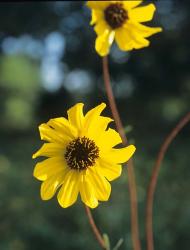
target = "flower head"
x: 121, y: 20
x: 81, y: 158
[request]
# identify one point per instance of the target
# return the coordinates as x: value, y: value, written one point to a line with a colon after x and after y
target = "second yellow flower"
x: 121, y: 20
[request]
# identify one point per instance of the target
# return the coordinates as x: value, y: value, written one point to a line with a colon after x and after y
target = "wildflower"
x: 121, y: 20
x: 81, y: 158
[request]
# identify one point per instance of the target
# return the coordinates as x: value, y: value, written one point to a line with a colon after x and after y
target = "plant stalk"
x: 130, y: 168
x: 153, y: 180
x: 95, y: 230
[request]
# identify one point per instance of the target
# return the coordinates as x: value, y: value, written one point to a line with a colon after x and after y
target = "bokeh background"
x: 47, y: 64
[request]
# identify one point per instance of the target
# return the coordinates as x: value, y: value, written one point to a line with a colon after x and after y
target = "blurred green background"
x: 47, y: 64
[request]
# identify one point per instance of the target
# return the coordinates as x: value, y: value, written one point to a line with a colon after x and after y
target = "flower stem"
x: 154, y: 177
x: 130, y: 169
x: 94, y: 228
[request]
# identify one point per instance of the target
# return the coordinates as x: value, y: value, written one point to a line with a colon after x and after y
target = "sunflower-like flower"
x: 81, y: 158
x: 121, y: 20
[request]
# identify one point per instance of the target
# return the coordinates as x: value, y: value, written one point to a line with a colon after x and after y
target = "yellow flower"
x: 122, y: 21
x: 81, y: 158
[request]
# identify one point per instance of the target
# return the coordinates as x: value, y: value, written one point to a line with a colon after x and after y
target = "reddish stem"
x: 94, y: 228
x: 154, y: 178
x: 130, y: 169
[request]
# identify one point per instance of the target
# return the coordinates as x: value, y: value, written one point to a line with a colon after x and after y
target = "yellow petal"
x: 49, y: 167
x: 97, y: 128
x: 92, y: 114
x: 52, y: 135
x: 49, y: 187
x: 87, y: 192
x: 98, y: 4
x: 108, y: 139
x: 143, y: 30
x: 109, y: 170
x: 119, y: 155
x: 50, y: 150
x: 103, y: 42
x: 101, y: 186
x: 97, y: 15
x: 63, y: 126
x: 142, y: 14
x: 134, y: 39
x: 137, y: 39
x: 131, y: 4
x: 123, y: 39
x: 68, y: 193
x: 140, y: 42
x: 75, y: 116
x: 95, y: 124
x: 101, y: 27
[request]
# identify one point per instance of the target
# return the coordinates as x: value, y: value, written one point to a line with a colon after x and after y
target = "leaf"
x: 119, y: 243
x: 128, y: 129
x: 107, y: 241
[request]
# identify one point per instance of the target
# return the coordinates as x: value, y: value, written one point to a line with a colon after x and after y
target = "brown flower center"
x: 115, y: 15
x: 81, y: 153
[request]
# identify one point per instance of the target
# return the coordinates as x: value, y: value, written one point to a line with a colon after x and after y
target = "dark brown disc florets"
x: 81, y: 153
x: 115, y: 15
